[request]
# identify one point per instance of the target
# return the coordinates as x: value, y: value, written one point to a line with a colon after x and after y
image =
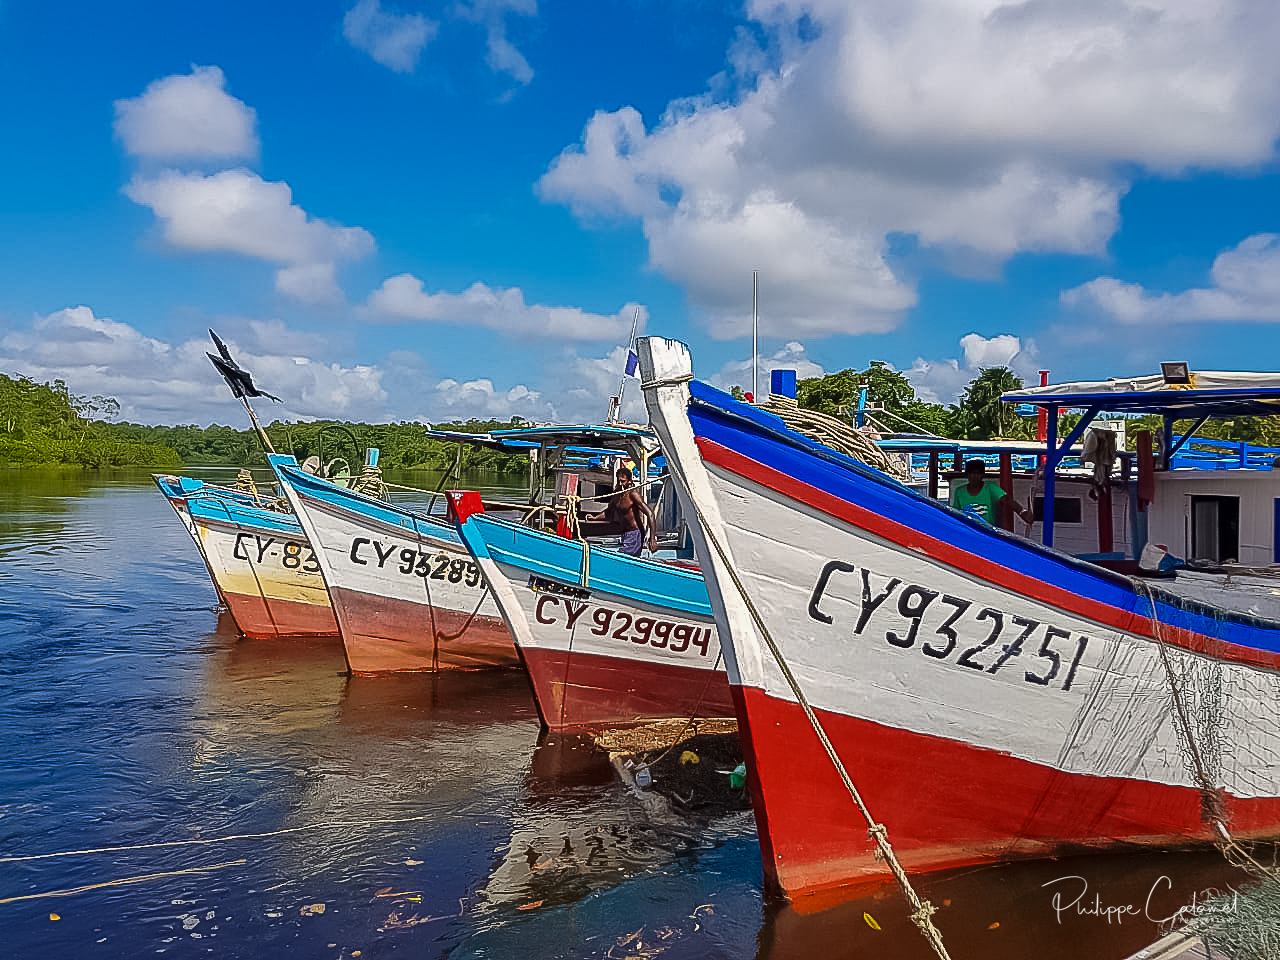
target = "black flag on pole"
x: 239, y: 380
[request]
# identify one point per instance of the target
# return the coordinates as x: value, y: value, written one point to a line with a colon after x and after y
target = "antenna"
x: 755, y: 336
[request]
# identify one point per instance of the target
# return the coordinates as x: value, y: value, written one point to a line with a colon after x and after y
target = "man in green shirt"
x: 980, y: 497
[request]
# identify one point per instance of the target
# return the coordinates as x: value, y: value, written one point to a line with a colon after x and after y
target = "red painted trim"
x: 382, y: 634
x: 584, y: 691
x: 981, y: 806
x: 970, y: 564
x: 264, y: 618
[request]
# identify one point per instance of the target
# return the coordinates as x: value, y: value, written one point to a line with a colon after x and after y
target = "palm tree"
x: 981, y: 415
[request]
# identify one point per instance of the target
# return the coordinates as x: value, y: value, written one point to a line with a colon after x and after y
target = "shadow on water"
x: 1094, y: 906
x: 273, y: 805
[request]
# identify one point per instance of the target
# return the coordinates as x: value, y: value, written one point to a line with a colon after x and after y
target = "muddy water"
x: 271, y: 804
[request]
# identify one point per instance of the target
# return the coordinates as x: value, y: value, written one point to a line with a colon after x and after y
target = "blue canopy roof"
x: 1208, y: 394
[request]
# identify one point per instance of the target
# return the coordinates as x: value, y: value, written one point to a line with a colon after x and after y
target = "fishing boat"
x: 987, y: 698
x: 261, y: 563
x: 406, y: 592
x: 609, y: 640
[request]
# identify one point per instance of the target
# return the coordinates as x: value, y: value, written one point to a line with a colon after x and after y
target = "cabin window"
x: 1215, y: 529
x: 1065, y: 509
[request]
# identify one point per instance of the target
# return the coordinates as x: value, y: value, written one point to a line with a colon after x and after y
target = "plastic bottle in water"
x: 643, y: 778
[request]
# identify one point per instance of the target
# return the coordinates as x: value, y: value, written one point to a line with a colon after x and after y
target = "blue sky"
x: 455, y: 209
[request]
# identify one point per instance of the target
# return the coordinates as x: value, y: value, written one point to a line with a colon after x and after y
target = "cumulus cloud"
x: 792, y: 356
x: 238, y: 212
x: 187, y: 117
x: 403, y: 298
x: 980, y: 129
x: 480, y: 400
x: 159, y: 382
x: 394, y: 40
x: 1245, y: 285
x: 501, y: 54
x: 942, y: 381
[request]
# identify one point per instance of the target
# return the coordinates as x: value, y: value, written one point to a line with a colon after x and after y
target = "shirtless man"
x: 630, y: 510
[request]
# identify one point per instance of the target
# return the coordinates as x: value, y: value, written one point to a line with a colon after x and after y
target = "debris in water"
x: 414, y: 863
x: 688, y: 757
x: 311, y: 910
x: 54, y: 916
x: 871, y: 921
x: 531, y: 906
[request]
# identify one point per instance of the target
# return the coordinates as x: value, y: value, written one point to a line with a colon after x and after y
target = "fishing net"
x: 1242, y: 925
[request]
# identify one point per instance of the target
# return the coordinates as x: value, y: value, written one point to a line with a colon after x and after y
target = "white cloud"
x: 479, y: 400
x: 159, y: 382
x: 1245, y: 286
x: 501, y: 54
x: 942, y: 381
x: 791, y: 356
x: 187, y: 117
x: 403, y: 298
x: 238, y: 212
x: 394, y: 40
x: 980, y: 128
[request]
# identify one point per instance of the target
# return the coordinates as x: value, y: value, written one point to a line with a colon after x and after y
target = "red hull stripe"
x: 382, y: 634
x: 582, y: 690
x: 264, y: 619
x: 971, y: 564
x: 981, y: 806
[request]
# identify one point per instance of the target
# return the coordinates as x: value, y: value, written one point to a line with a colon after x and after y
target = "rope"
x: 72, y: 891
x: 245, y: 482
x: 835, y: 433
x: 201, y: 841
x: 370, y: 483
x: 921, y: 910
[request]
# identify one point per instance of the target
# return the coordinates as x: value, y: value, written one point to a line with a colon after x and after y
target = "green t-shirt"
x: 981, y: 504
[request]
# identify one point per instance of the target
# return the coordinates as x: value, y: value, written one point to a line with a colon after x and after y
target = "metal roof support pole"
x: 1166, y: 442
x: 1055, y: 453
x: 1177, y: 445
x: 1050, y: 474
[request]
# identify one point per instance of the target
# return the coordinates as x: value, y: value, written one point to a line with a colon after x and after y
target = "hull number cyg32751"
x: 620, y: 625
x: 979, y: 638
x: 411, y: 562
x: 293, y: 555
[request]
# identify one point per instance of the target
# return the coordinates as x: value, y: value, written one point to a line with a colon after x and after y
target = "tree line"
x: 401, y: 446
x: 45, y: 424
x: 980, y: 414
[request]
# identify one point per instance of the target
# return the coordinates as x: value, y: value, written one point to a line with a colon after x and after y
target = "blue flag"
x: 632, y: 362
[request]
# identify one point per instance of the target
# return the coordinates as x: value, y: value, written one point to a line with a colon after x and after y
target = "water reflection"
x: 426, y: 814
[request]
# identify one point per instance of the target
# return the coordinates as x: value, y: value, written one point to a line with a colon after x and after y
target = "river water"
x: 168, y: 788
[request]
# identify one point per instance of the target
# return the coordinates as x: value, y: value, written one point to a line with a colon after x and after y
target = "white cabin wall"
x: 1072, y: 538
x: 1170, y: 513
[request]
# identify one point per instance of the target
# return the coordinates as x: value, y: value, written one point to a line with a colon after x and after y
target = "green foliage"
x: 46, y: 424
x: 982, y: 415
x: 837, y: 394
x: 402, y: 446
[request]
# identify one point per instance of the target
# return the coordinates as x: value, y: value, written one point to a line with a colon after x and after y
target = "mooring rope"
x: 921, y: 910
x: 201, y: 841
x: 123, y: 881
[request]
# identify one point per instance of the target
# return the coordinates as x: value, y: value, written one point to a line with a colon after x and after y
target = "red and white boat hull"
x: 407, y: 595
x: 989, y: 699
x: 270, y: 583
